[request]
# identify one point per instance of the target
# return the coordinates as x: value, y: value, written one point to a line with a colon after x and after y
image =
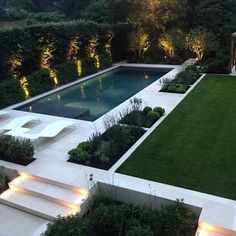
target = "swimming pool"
x: 92, y: 98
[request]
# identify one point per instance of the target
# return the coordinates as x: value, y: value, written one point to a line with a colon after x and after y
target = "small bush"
x: 147, y: 109
x: 181, y: 88
x: 40, y: 82
x: 16, y: 150
x: 10, y: 93
x: 82, y: 153
x: 159, y: 110
x: 153, y: 115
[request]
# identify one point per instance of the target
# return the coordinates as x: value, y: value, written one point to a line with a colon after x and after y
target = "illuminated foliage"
x: 47, y: 59
x: 199, y: 41
x: 92, y: 50
x: 25, y: 86
x: 166, y: 42
x: 139, y: 43
x: 47, y: 55
x: 73, y: 54
x: 107, y: 45
x: 15, y: 61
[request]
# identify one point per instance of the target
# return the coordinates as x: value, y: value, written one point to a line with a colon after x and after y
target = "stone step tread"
x: 50, y: 190
x: 24, y: 200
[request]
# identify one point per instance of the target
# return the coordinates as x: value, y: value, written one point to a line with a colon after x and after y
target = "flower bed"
x: 143, y: 118
x: 103, y: 150
x: 182, y: 81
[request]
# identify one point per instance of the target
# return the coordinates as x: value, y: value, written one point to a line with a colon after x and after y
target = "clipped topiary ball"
x: 153, y: 115
x: 159, y: 110
x: 147, y: 109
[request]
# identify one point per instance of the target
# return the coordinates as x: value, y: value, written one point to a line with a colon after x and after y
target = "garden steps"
x: 34, y: 205
x: 42, y: 197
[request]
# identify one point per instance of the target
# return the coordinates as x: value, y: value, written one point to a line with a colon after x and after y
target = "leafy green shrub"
x: 107, y: 217
x: 159, y: 110
x: 40, y: 82
x: 103, y: 150
x: 172, y: 88
x: 69, y: 226
x: 145, y: 118
x: 147, y: 109
x: 181, y: 88
x: 82, y: 153
x: 66, y: 72
x: 16, y: 150
x: 10, y: 93
x: 153, y: 115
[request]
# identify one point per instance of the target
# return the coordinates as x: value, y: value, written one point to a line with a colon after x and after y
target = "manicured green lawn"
x: 195, y: 147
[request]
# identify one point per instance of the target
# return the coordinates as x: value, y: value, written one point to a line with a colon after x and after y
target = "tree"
x: 139, y: 43
x: 199, y: 40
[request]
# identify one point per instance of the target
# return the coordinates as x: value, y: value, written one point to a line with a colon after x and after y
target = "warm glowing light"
x: 73, y: 54
x: 25, y: 175
x: 74, y: 49
x: 201, y: 232
x: 46, y: 59
x: 92, y: 51
x: 79, y: 67
x: 92, y: 47
x: 74, y: 208
x: 30, y: 108
x: 79, y: 200
x: 53, y: 75
x: 97, y: 59
x: 47, y: 56
x: 17, y: 180
x: 15, y: 61
x: 6, y: 194
x: 25, y: 86
x: 167, y: 45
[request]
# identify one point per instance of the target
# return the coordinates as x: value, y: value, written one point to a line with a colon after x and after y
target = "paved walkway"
x: 17, y: 223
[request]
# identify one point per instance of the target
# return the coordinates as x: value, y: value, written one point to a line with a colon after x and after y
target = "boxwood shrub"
x: 103, y: 150
x: 19, y: 151
x: 143, y: 118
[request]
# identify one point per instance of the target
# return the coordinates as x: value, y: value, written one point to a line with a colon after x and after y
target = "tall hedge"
x: 27, y: 43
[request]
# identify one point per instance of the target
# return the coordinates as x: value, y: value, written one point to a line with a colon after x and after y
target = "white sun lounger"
x: 18, y: 122
x: 50, y: 131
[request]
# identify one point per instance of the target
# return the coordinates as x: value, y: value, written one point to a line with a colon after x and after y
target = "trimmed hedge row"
x: 26, y: 44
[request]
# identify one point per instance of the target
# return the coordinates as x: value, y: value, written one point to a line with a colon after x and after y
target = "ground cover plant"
x: 16, y: 150
x: 194, y: 147
x: 107, y: 217
x: 182, y: 81
x: 103, y: 150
